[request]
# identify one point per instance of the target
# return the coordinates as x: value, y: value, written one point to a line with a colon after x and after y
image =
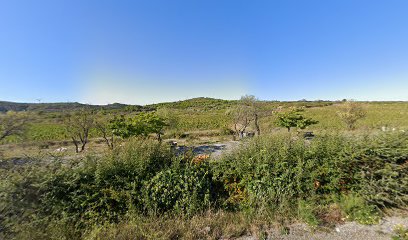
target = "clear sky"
x: 105, y: 51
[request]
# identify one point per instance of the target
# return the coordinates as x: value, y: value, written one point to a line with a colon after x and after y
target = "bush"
x: 105, y: 189
x: 318, y: 181
x: 184, y: 189
x: 276, y: 172
x: 382, y: 165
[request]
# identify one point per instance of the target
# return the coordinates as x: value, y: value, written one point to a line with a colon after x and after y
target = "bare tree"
x: 12, y: 123
x: 242, y: 116
x: 78, y: 126
x: 102, y: 125
x: 254, y: 109
x: 350, y: 112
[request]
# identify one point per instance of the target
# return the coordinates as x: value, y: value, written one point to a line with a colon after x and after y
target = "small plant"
x: 357, y: 209
x: 306, y: 213
x: 401, y: 232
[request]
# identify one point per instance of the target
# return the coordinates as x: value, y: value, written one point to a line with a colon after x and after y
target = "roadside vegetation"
x: 134, y: 185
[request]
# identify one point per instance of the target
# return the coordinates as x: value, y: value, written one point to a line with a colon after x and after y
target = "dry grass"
x: 209, y: 225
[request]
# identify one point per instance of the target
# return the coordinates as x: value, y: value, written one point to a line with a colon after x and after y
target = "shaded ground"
x: 214, y: 150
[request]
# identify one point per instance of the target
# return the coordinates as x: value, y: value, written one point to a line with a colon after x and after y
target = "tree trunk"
x: 258, y: 129
x: 83, y: 146
x: 108, y: 142
x: 84, y: 142
x: 76, y: 145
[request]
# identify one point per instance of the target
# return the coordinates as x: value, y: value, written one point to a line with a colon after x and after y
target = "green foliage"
x: 357, y: 209
x: 45, y: 132
x: 209, y: 115
x: 198, y: 104
x: 184, y: 189
x: 142, y: 124
x: 266, y: 176
x: 12, y: 124
x: 107, y: 188
x: 383, y: 170
x: 294, y: 118
x: 276, y: 172
x: 306, y: 212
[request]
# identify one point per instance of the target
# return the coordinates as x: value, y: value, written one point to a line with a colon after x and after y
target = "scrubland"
x: 144, y: 189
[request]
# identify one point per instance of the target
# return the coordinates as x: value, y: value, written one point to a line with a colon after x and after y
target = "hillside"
x: 58, y: 107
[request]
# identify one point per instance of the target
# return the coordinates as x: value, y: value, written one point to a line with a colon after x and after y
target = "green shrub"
x: 282, y: 175
x: 382, y: 165
x: 105, y: 189
x: 276, y: 172
x: 184, y: 189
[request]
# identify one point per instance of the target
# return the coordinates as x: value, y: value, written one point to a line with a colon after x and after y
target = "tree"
x: 12, y: 123
x: 241, y: 117
x: 294, y: 118
x: 254, y: 109
x: 153, y: 124
x: 169, y: 116
x: 104, y: 127
x: 78, y: 126
x: 248, y: 110
x: 142, y: 124
x: 350, y: 112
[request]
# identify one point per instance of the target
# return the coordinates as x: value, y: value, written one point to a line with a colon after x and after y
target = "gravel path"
x: 347, y: 231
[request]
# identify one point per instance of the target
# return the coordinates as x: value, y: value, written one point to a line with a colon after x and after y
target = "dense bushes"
x: 143, y: 177
x: 277, y: 172
x: 383, y: 170
x: 276, y: 175
x: 107, y: 188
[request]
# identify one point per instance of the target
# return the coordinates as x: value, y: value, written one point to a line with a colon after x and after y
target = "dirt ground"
x: 346, y: 231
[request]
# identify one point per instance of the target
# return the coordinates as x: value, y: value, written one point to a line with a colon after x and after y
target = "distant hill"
x: 196, y: 103
x: 58, y: 107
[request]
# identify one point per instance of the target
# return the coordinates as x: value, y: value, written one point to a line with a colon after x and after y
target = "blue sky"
x: 105, y: 51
